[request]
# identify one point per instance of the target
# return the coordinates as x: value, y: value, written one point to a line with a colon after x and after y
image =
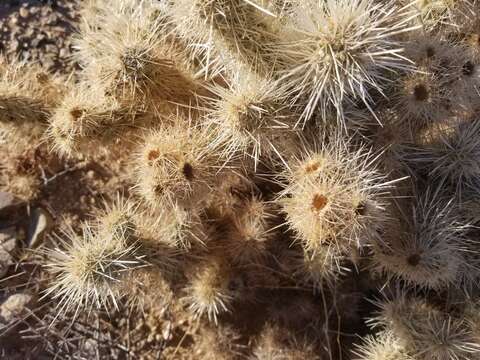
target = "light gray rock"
x: 5, y: 261
x: 40, y: 222
x: 89, y: 348
x: 52, y: 19
x: 48, y: 63
x: 23, y: 12
x: 7, y: 200
x: 8, y: 243
x: 52, y: 49
x: 8, y: 239
x: 14, y: 307
x: 64, y: 53
x: 34, y: 10
x: 167, y: 331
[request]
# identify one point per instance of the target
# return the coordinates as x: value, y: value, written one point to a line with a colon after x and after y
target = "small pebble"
x: 63, y: 53
x: 8, y: 239
x: 14, y: 307
x: 14, y: 45
x: 40, y: 222
x: 50, y: 48
x: 167, y: 331
x: 5, y: 261
x: 24, y: 12
x: 13, y: 21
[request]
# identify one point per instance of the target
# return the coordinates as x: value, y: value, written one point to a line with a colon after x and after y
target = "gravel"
x: 39, y: 31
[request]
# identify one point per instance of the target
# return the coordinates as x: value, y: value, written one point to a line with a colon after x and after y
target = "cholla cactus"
x: 383, y: 346
x: 437, y: 54
x: 251, y: 117
x: 127, y: 58
x: 441, y: 13
x: 336, y: 51
x: 425, y: 332
x: 219, y: 343
x: 89, y: 268
x: 84, y: 115
x: 208, y: 292
x: 251, y: 231
x: 451, y: 158
x: 174, y: 227
x: 421, y: 98
x: 224, y: 33
x: 27, y: 96
x: 334, y: 201
x: 117, y: 218
x: 260, y: 147
x: 333, y: 196
x: 177, y: 165
x: 321, y: 266
x: 447, y: 73
x: 427, y: 251
x: 274, y: 343
x: 27, y: 92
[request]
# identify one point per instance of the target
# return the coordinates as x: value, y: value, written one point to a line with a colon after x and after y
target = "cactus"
x: 333, y: 51
x: 333, y: 196
x: 251, y: 117
x: 244, y: 179
x: 208, y: 292
x: 84, y: 115
x: 382, y: 346
x: 426, y: 251
x: 88, y: 269
x: 426, y: 332
x: 176, y: 164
